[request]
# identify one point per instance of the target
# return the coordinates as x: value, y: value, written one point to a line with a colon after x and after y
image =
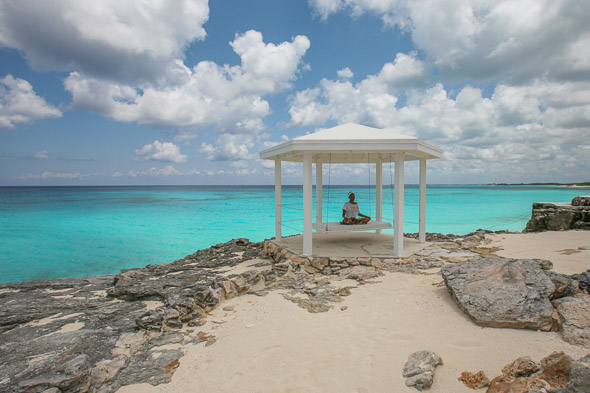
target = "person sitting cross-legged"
x: 351, y: 214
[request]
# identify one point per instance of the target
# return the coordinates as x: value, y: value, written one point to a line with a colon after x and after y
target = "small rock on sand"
x: 474, y: 381
x: 419, y: 369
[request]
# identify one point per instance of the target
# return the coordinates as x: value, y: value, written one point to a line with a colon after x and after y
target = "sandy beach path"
x: 268, y: 344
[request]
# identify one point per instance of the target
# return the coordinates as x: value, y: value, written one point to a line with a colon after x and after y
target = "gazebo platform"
x: 349, y: 244
x: 334, y: 251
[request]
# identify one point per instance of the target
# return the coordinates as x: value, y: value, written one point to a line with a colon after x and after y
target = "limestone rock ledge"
x: 98, y: 333
x: 560, y: 216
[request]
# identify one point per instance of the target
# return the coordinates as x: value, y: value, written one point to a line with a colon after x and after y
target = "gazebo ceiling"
x: 352, y: 143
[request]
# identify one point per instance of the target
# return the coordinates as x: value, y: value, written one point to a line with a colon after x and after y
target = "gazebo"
x: 352, y: 143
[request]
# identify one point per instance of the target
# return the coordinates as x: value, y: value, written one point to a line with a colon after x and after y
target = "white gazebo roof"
x: 352, y: 143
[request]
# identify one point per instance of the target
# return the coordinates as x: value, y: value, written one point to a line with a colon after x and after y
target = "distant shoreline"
x: 585, y: 184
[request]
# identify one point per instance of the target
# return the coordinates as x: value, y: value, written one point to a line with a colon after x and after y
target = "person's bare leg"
x: 365, y: 220
x: 347, y: 221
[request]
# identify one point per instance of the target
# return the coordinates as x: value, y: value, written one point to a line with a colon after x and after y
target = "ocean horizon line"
x: 290, y: 185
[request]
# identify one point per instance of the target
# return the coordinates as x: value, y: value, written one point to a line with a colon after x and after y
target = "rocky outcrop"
x: 500, y: 292
x: 99, y: 333
x: 419, y: 369
x: 574, y: 313
x: 557, y: 373
x: 102, y: 332
x: 560, y: 216
x: 583, y: 280
x: 581, y: 201
x: 322, y: 265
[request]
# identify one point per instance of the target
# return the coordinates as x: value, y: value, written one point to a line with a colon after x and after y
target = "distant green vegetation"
x: 585, y: 184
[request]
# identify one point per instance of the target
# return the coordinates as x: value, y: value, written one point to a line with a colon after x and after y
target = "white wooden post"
x: 278, y: 187
x: 398, y: 227
x: 422, y: 221
x: 379, y: 191
x: 307, y: 204
x: 318, y: 192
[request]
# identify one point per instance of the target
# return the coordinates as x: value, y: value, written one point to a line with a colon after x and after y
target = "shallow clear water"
x: 50, y: 232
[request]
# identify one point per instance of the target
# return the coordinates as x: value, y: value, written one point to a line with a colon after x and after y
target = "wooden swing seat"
x: 324, y: 227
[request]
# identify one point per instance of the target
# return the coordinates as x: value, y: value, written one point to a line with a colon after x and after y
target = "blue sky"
x: 188, y: 92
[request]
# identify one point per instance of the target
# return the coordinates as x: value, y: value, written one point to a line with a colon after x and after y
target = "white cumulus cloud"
x: 126, y: 40
x: 488, y: 38
x: 42, y: 155
x: 521, y: 131
x: 161, y: 151
x: 166, y: 171
x: 345, y: 73
x: 229, y: 147
x: 20, y: 104
x: 371, y: 101
x: 48, y: 175
x: 531, y: 56
x: 226, y: 97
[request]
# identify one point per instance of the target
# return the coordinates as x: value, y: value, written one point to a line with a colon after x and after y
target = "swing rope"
x: 329, y: 184
x: 391, y: 188
x: 369, y: 170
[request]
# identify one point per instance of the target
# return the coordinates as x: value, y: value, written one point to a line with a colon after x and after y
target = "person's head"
x: 351, y: 196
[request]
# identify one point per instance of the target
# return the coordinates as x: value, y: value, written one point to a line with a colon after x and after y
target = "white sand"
x: 268, y: 344
x: 561, y: 248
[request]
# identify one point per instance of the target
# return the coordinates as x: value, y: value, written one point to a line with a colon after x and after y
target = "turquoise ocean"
x: 51, y: 232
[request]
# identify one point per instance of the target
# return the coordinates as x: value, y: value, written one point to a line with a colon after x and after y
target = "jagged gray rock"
x: 544, y: 264
x: 501, y: 292
x: 419, y: 369
x: 560, y: 216
x: 359, y: 273
x: 564, y: 284
x: 583, y: 280
x: 574, y: 312
x: 71, y: 375
x: 579, y: 377
x: 88, y: 333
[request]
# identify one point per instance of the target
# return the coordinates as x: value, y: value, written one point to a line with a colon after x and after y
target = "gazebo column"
x: 278, y: 185
x: 318, y: 192
x: 398, y: 225
x: 379, y: 191
x: 422, y: 221
x: 307, y: 204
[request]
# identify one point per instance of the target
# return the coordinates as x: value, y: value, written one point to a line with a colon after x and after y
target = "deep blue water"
x: 50, y: 232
